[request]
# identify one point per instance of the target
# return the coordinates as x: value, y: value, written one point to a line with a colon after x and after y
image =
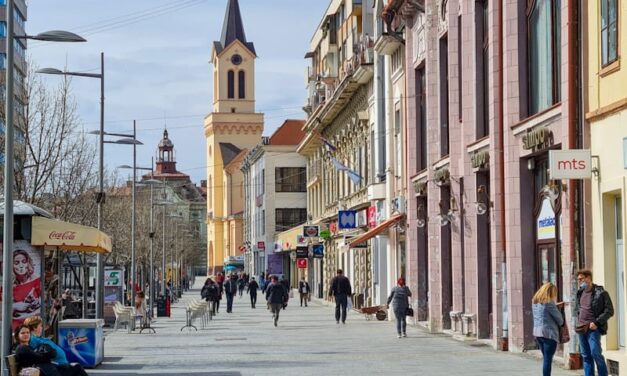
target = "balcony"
x: 314, y: 173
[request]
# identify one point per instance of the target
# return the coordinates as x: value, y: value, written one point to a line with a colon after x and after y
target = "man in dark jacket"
x: 230, y: 289
x: 341, y: 290
x: 303, y: 291
x: 252, y: 291
x: 276, y: 296
x: 594, y: 308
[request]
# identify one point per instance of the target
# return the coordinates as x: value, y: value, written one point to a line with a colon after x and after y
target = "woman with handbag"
x: 399, y: 297
x: 547, y: 321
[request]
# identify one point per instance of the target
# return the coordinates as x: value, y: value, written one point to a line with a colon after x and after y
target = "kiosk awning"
x: 70, y: 236
x: 376, y: 230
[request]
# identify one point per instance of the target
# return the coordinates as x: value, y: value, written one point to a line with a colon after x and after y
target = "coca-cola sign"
x: 66, y: 235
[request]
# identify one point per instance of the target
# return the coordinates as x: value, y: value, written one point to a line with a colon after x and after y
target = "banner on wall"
x: 27, y: 297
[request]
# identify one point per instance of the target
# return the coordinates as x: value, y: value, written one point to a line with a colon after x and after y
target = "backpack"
x: 204, y: 293
x: 213, y: 292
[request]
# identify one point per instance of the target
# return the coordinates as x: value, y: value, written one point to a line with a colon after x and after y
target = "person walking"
x: 399, y: 297
x: 594, y: 308
x: 252, y: 291
x: 303, y: 291
x: 287, y: 287
x: 342, y: 291
x: 547, y: 320
x: 230, y: 289
x: 241, y: 284
x: 276, y: 296
x: 211, y: 293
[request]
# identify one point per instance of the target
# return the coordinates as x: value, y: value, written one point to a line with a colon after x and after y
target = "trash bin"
x: 82, y: 340
x: 162, y: 306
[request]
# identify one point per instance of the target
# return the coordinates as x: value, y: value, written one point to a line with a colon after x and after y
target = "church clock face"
x: 236, y: 59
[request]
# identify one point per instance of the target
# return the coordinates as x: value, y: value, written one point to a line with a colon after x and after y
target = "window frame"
x: 230, y: 79
x: 241, y: 84
x: 616, y: 57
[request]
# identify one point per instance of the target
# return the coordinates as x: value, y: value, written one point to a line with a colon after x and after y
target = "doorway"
x: 620, y: 270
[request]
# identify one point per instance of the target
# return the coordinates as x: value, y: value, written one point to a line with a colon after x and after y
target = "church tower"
x: 231, y: 129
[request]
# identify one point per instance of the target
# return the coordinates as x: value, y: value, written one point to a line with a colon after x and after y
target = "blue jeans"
x: 401, y: 319
x: 591, y: 352
x: 229, y: 303
x: 547, y: 347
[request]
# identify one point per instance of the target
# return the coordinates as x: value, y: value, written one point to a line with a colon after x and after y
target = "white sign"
x: 570, y: 164
x: 545, y: 225
x: 113, y: 278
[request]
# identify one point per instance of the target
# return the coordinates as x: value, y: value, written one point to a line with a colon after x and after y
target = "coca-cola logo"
x: 66, y: 235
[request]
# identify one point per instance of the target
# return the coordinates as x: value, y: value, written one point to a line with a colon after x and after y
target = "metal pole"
x: 100, y: 198
x: 133, y: 271
x: 7, y: 239
x: 163, y: 255
x: 152, y: 242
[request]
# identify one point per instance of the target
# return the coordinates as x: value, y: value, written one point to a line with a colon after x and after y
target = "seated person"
x: 28, y: 359
x: 34, y: 323
x: 140, y: 306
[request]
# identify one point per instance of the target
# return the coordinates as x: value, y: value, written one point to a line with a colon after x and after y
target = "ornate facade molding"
x: 233, y: 129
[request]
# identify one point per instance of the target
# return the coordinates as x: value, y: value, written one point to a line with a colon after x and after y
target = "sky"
x: 157, y: 68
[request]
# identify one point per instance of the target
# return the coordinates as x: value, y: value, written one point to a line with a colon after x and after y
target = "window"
x: 444, y: 126
x: 609, y: 31
x: 398, y: 168
x: 19, y: 18
x: 231, y: 84
x: 459, y: 69
x: 3, y: 29
x: 397, y: 60
x: 482, y: 47
x: 291, y: 179
x: 19, y: 48
x: 3, y: 61
x: 288, y: 218
x: 421, y: 119
x: 241, y: 83
x: 20, y: 138
x: 544, y: 48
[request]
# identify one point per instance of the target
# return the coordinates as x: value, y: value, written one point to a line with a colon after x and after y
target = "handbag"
x: 564, y: 333
x: 409, y: 311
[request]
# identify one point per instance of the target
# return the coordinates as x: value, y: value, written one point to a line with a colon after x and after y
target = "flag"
x: 327, y: 143
x: 353, y: 175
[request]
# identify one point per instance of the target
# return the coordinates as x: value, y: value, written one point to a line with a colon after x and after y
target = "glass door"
x: 620, y: 271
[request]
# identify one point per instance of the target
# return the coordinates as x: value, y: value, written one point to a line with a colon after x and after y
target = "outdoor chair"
x: 123, y: 315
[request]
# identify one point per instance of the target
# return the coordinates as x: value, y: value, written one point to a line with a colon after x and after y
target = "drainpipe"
x: 501, y: 178
x: 462, y: 225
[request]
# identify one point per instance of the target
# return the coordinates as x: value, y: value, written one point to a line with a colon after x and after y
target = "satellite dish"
x: 481, y: 208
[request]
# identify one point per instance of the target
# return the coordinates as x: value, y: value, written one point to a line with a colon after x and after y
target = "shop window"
x: 609, y: 31
x: 544, y: 47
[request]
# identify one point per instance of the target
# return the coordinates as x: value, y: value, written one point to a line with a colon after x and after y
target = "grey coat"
x: 399, y: 297
x: 547, y: 320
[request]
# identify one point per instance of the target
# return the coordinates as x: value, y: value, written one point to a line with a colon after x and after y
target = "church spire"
x: 233, y: 28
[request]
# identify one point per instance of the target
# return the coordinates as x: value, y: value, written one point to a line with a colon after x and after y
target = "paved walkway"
x: 306, y: 342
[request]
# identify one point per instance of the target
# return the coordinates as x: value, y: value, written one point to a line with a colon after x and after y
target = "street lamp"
x: 100, y: 196
x: 9, y: 166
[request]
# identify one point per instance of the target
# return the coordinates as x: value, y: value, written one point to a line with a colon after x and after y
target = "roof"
x: 289, y: 133
x: 232, y: 29
x: 228, y: 152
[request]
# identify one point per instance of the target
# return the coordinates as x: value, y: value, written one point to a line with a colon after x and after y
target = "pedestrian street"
x: 307, y: 341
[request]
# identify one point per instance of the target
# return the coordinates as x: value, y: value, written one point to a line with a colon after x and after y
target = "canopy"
x: 376, y: 230
x: 69, y: 236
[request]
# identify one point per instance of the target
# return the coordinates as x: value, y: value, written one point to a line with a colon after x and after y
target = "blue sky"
x: 157, y: 67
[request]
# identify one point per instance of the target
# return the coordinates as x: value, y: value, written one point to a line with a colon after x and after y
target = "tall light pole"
x: 9, y: 166
x: 100, y: 196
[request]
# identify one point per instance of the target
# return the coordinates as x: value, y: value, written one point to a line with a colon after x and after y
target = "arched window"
x: 241, y: 83
x: 231, y: 83
x: 544, y: 50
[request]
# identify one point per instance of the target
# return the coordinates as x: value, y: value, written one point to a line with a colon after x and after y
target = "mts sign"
x: 569, y: 164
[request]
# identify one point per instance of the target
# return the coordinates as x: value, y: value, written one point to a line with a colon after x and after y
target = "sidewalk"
x: 306, y: 342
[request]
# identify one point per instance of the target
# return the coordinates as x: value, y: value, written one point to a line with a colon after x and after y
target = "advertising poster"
x: 26, y: 281
x: 275, y: 264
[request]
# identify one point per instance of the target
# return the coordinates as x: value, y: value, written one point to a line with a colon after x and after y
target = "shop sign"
x: 480, y: 159
x: 113, y: 278
x: 545, y: 224
x: 333, y: 227
x: 302, y: 252
x: 301, y: 240
x: 347, y: 219
x: 301, y: 263
x: 381, y: 212
x: 311, y: 231
x: 372, y: 216
x: 318, y: 251
x: 537, y: 139
x: 325, y: 234
x: 261, y: 245
x: 569, y: 164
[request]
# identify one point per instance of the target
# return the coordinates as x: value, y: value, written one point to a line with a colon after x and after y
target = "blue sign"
x: 347, y: 219
x: 318, y: 250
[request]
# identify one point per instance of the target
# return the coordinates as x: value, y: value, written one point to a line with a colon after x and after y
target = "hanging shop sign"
x: 537, y: 139
x: 372, y: 216
x: 301, y: 263
x: 347, y: 219
x: 113, y: 278
x: 570, y: 164
x: 311, y: 231
x: 318, y: 251
x: 325, y: 234
x: 302, y: 252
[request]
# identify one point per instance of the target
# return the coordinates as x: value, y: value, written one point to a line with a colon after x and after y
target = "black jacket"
x: 303, y: 287
x: 276, y: 293
x: 340, y: 285
x: 601, y: 306
x: 252, y: 287
x: 230, y: 286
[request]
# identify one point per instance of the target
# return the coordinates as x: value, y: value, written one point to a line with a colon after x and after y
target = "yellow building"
x: 606, y: 113
x: 231, y: 128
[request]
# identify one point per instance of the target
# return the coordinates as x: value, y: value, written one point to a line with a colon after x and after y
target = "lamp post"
x: 100, y: 196
x: 7, y: 288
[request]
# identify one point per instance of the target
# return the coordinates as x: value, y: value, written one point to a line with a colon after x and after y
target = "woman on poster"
x: 26, y: 284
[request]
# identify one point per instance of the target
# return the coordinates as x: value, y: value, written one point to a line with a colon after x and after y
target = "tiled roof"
x: 289, y: 133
